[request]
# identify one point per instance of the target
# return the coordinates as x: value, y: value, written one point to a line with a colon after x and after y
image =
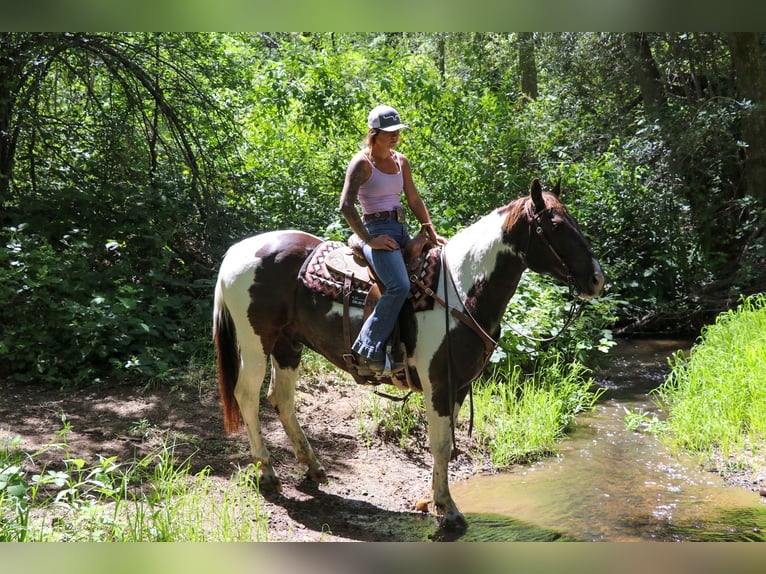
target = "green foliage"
x: 99, y: 289
x: 519, y: 418
x: 716, y: 397
x: 538, y: 310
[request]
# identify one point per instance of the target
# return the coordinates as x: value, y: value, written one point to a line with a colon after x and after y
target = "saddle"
x: 341, y: 271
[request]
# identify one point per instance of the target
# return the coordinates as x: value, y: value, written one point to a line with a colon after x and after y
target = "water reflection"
x: 612, y: 484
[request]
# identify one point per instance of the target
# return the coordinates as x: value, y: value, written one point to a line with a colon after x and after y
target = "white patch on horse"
x: 472, y: 253
x: 236, y: 276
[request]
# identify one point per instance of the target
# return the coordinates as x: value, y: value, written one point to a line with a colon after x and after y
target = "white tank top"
x: 381, y: 191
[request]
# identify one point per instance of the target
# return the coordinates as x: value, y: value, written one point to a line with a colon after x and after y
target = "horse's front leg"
x: 440, y: 440
x: 282, y: 397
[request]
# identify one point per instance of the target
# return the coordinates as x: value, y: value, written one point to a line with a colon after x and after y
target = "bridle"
x: 537, y: 223
x: 575, y: 309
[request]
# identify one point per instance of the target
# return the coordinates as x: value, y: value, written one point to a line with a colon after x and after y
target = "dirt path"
x: 371, y: 492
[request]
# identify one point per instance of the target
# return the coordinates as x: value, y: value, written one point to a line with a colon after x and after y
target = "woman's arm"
x: 357, y: 173
x: 416, y: 204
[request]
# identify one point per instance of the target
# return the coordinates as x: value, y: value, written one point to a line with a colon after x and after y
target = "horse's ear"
x: 557, y: 190
x: 536, y: 191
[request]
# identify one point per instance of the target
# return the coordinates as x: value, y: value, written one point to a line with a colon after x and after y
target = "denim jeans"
x: 390, y: 268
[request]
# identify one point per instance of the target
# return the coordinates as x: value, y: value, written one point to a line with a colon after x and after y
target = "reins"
x: 393, y: 398
x: 451, y: 390
x: 466, y: 318
x: 575, y: 310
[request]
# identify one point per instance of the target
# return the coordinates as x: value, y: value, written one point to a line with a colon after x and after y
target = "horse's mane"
x: 519, y: 212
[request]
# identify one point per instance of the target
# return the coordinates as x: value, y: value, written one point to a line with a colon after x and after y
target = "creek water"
x: 608, y: 483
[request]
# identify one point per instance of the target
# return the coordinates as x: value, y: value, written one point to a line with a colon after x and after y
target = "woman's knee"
x: 399, y: 287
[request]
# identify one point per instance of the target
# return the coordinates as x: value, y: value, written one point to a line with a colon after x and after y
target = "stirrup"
x: 363, y: 366
x: 392, y: 367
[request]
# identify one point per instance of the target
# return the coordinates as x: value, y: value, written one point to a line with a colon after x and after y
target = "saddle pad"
x: 429, y: 273
x: 315, y: 275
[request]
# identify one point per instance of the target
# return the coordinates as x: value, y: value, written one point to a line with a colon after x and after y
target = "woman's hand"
x: 383, y: 242
x: 430, y: 231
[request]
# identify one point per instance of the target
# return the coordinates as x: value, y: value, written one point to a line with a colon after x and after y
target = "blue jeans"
x: 390, y: 268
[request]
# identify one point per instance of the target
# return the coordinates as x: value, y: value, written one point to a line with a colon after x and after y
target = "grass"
x: 715, y: 398
x: 518, y: 418
x: 401, y: 422
x: 156, y: 498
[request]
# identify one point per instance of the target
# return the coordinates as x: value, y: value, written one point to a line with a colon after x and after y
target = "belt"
x: 380, y: 215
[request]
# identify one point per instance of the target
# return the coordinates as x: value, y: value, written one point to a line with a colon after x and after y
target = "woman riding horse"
x: 264, y: 316
x: 376, y: 176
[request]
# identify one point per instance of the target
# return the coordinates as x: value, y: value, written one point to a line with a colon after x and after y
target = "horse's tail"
x: 227, y: 360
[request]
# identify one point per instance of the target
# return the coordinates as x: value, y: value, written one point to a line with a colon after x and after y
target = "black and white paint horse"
x: 263, y: 311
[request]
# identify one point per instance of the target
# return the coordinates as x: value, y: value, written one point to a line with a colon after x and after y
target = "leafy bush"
x: 539, y: 310
x: 88, y: 296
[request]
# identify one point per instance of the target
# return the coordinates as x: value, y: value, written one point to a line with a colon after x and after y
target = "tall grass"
x: 156, y: 498
x: 715, y: 398
x: 520, y: 418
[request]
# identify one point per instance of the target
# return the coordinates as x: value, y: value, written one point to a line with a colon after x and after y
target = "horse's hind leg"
x: 247, y: 392
x: 282, y: 397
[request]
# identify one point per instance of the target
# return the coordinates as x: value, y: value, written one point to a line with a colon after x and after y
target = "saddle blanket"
x: 316, y: 276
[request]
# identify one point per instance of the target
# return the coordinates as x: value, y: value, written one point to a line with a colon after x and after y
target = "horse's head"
x: 556, y: 247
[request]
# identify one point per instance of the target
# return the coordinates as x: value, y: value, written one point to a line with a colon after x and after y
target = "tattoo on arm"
x: 356, y: 177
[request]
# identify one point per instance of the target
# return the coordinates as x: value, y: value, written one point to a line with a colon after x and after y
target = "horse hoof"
x: 454, y: 521
x: 270, y: 483
x: 317, y: 475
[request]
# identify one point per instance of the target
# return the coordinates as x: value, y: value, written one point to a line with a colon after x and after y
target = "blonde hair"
x: 371, y: 135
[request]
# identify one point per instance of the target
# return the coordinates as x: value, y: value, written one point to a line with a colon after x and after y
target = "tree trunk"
x: 647, y: 74
x: 11, y: 66
x: 441, y: 57
x: 751, y: 84
x: 528, y: 65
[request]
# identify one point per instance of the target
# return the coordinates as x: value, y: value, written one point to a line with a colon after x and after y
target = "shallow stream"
x: 612, y: 484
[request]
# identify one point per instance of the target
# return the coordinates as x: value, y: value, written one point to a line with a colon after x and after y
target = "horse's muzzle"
x: 595, y: 284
